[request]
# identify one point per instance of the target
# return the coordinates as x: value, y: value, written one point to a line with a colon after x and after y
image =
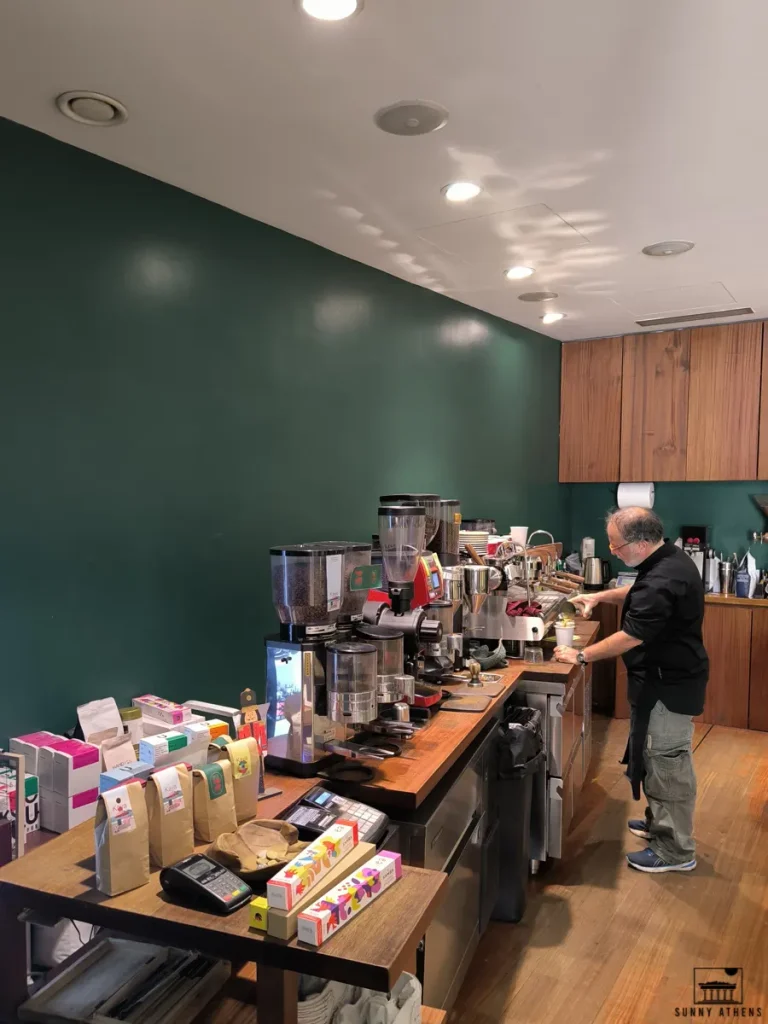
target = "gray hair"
x: 637, y: 524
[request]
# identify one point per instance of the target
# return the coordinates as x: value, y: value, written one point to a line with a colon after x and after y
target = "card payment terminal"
x: 201, y: 882
x: 319, y: 808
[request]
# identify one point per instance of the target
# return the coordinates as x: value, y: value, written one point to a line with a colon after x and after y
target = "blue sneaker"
x: 639, y: 827
x: 647, y: 860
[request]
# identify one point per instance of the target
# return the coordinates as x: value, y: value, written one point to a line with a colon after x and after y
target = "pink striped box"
x: 345, y: 900
x: 29, y: 746
x: 60, y: 813
x: 69, y: 767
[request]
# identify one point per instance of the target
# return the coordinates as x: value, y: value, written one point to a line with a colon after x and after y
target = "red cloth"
x: 518, y: 608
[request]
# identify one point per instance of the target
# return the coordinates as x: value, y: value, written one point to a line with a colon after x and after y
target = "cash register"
x: 319, y: 809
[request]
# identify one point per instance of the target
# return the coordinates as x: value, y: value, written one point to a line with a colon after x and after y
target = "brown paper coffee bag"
x: 246, y: 767
x: 214, y: 800
x: 169, y: 811
x: 122, y: 840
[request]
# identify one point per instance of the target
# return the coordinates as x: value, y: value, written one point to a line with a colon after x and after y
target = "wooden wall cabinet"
x: 590, y: 411
x: 654, y: 406
x: 727, y: 637
x: 724, y: 402
x: 758, y: 672
x: 692, y: 405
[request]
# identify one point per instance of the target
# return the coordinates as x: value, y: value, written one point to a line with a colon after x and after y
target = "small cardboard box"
x: 137, y: 771
x: 164, y: 710
x: 309, y: 867
x: 347, y: 899
x: 69, y: 767
x: 217, y: 728
x: 258, y: 914
x: 29, y: 746
x: 163, y: 749
x: 60, y: 813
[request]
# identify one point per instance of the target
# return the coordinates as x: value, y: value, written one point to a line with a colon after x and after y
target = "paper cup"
x: 564, y: 635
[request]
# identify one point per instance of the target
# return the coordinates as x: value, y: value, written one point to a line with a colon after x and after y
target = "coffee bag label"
x: 119, y: 810
x: 214, y: 776
x: 240, y: 756
x: 170, y: 790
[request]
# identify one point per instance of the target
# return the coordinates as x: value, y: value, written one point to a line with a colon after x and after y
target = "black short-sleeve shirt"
x: 665, y: 610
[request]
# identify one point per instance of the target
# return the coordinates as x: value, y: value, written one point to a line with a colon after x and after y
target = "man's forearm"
x: 612, y: 647
x: 615, y: 595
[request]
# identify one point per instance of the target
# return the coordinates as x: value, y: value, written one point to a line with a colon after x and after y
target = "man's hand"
x: 584, y: 603
x: 567, y: 654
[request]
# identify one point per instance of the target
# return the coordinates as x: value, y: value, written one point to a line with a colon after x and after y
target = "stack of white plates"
x: 477, y: 538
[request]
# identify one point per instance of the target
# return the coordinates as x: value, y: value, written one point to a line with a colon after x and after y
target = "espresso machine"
x: 401, y: 537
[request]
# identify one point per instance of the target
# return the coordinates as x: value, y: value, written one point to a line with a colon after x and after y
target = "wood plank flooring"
x: 603, y: 944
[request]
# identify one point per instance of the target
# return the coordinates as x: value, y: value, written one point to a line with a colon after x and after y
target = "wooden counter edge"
x: 735, y: 602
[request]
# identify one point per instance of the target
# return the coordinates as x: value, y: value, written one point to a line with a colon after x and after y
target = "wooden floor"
x: 603, y: 943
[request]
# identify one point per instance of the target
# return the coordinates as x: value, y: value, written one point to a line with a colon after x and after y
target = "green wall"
x: 180, y: 388
x: 726, y: 508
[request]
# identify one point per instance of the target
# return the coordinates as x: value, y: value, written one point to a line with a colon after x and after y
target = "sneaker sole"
x: 640, y: 833
x: 664, y: 867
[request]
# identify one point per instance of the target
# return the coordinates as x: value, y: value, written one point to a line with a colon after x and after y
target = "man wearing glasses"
x: 667, y: 669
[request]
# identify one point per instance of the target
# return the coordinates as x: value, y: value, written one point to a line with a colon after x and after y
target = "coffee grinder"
x: 401, y: 536
x: 428, y: 579
x: 307, y: 592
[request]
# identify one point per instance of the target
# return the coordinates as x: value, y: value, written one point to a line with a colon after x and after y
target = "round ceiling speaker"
x: 411, y: 117
x: 92, y: 108
x: 537, y: 296
x: 671, y: 248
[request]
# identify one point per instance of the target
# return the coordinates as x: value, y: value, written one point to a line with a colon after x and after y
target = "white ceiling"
x: 595, y: 128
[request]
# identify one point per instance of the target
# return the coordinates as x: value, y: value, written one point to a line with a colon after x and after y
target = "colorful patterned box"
x: 164, y: 710
x: 304, y: 872
x: 349, y: 897
x: 31, y: 800
x: 137, y: 771
x: 29, y: 746
x: 69, y: 767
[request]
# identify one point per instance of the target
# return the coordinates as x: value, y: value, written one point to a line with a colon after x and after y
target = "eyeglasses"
x: 621, y: 547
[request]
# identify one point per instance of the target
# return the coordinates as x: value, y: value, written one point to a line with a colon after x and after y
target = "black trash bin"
x: 520, y: 754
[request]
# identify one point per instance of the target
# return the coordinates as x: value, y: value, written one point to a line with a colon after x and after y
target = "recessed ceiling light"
x: 670, y: 248
x: 518, y: 273
x: 461, y: 191
x: 331, y: 10
x: 92, y: 108
x: 537, y: 296
x: 552, y: 318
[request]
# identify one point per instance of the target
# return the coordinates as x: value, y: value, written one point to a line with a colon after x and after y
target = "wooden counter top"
x: 735, y: 602
x: 403, y: 783
x: 372, y: 951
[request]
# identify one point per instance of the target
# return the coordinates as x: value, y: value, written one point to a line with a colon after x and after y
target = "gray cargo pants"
x: 670, y: 785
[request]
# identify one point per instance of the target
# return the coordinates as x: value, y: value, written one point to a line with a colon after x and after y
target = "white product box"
x: 153, y: 726
x: 174, y: 747
x: 165, y: 710
x: 29, y: 745
x: 69, y: 767
x: 60, y: 813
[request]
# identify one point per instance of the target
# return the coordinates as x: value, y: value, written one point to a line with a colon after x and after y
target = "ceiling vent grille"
x: 689, y: 318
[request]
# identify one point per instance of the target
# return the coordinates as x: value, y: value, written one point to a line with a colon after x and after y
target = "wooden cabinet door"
x: 727, y: 633
x: 724, y: 402
x: 758, y: 674
x: 590, y: 411
x: 762, y: 451
x: 654, y: 406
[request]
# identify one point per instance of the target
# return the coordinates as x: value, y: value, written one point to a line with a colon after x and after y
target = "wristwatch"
x: 581, y: 658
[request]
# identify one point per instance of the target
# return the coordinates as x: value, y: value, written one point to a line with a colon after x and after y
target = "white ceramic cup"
x: 564, y: 635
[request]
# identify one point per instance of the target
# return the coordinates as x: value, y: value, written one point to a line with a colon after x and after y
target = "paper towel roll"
x: 641, y: 495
